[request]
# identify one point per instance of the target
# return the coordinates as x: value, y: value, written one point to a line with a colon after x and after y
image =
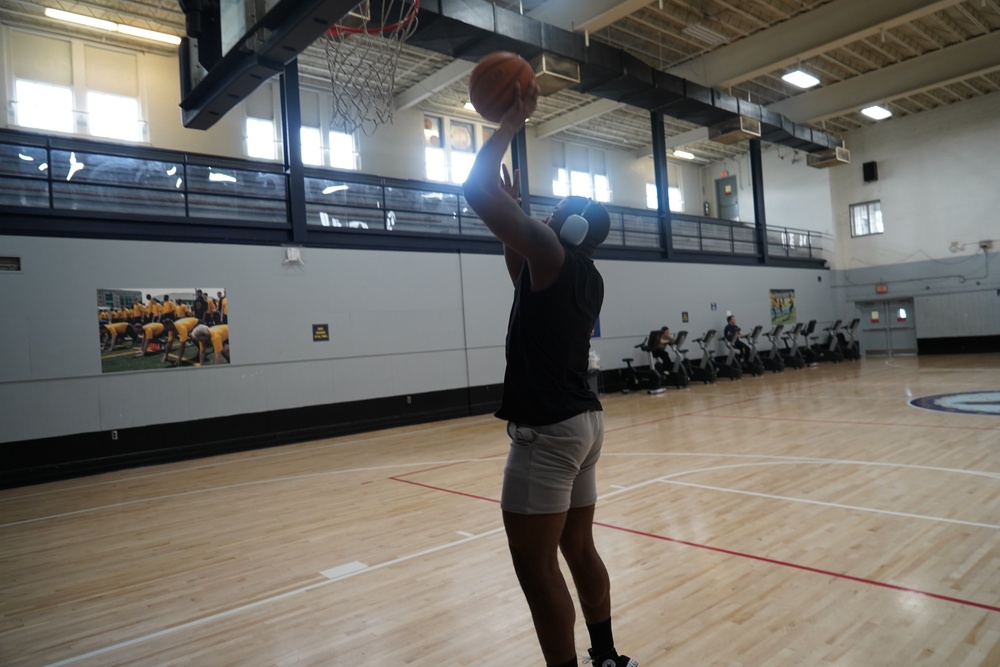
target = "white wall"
x: 399, y: 323
x: 939, y: 181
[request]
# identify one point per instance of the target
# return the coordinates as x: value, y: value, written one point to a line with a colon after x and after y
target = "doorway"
x: 887, y: 327
x: 727, y: 199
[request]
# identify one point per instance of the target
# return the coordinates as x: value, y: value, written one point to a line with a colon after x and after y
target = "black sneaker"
x: 611, y: 659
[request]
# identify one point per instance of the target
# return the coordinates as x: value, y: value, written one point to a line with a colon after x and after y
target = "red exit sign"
x: 881, y: 288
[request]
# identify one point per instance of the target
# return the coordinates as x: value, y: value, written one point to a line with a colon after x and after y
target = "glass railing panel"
x: 98, y: 168
x: 24, y: 192
x: 336, y: 192
x: 24, y: 161
x: 248, y: 209
x: 344, y: 217
x: 116, y: 199
x: 422, y: 223
x: 235, y: 182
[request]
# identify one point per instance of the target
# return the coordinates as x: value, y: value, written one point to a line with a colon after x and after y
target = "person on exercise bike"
x: 660, y: 350
x: 733, y: 334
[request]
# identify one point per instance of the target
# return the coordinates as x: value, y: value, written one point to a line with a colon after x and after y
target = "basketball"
x: 491, y: 85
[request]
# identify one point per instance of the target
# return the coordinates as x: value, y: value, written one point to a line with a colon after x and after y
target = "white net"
x: 362, y: 53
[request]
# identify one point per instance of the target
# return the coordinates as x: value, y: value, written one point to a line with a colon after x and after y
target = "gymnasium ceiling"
x: 908, y: 55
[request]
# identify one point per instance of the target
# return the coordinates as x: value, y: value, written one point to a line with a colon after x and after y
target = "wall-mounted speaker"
x: 870, y: 171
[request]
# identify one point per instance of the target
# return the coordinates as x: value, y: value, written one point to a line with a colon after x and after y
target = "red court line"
x: 740, y: 554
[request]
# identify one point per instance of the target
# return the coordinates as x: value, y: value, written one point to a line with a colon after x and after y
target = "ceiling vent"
x: 555, y: 72
x: 829, y: 158
x: 735, y: 129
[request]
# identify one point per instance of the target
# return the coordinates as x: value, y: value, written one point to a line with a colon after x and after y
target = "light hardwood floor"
x: 809, y: 518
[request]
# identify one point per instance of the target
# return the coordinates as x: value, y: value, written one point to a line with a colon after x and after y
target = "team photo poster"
x: 152, y: 328
x: 782, y: 306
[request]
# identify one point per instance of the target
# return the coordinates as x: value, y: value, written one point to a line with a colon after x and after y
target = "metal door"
x: 726, y: 198
x: 887, y: 327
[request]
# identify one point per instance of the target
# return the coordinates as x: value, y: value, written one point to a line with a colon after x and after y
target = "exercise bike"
x: 773, y: 360
x: 635, y: 378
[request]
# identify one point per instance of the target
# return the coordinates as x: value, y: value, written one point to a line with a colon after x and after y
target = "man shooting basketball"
x: 555, y: 422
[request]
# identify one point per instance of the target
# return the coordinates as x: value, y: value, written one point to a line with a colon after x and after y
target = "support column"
x: 291, y: 135
x: 662, y: 184
x: 519, y: 161
x: 757, y: 182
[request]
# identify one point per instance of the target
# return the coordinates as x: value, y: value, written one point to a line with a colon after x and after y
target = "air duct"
x: 734, y: 130
x: 829, y: 158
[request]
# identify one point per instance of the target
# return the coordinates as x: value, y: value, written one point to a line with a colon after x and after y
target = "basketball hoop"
x: 362, y: 52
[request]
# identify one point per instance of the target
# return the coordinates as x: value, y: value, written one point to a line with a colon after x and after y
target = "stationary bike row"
x: 840, y: 343
x: 664, y: 367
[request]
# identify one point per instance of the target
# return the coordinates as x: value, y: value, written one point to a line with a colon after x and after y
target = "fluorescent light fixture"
x: 80, y: 19
x: 684, y: 154
x: 876, y: 112
x: 707, y: 35
x: 111, y: 26
x: 149, y: 34
x: 801, y: 79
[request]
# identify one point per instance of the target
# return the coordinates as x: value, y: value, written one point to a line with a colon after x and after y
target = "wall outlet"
x: 114, y: 435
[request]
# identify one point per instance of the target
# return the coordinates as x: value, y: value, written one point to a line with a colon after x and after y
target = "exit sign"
x: 881, y: 288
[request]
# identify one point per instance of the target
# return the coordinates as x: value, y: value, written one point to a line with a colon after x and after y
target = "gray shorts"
x: 552, y: 468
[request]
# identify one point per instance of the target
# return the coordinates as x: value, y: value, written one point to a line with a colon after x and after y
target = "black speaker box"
x: 870, y: 170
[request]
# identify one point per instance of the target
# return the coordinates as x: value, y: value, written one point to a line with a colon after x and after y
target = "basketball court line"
x: 905, y: 515
x: 332, y: 576
x: 351, y: 570
x: 850, y: 423
x: 248, y: 457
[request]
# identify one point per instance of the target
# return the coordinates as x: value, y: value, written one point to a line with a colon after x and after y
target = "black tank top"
x: 548, y: 344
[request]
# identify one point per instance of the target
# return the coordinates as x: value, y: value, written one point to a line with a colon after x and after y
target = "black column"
x: 662, y: 183
x: 757, y: 181
x: 291, y: 124
x: 519, y: 160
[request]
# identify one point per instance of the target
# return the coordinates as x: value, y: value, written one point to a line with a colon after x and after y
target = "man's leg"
x: 534, y: 542
x: 593, y: 584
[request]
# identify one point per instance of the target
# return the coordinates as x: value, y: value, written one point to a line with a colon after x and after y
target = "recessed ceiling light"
x: 801, y: 79
x: 876, y: 112
x: 684, y: 154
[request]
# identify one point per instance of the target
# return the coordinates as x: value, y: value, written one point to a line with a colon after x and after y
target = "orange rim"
x: 338, y: 29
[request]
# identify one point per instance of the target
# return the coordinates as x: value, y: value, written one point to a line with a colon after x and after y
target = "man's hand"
x: 512, y: 186
x: 524, y: 105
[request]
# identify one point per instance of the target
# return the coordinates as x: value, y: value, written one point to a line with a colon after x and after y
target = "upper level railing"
x: 77, y: 178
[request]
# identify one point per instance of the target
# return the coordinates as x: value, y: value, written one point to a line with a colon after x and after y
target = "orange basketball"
x: 491, y: 86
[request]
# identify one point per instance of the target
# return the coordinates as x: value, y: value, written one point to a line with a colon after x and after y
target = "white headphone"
x: 575, y: 227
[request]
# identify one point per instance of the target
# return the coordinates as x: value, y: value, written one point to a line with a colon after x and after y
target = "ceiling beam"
x: 585, y: 15
x: 975, y: 57
x: 825, y: 28
x: 575, y: 117
x: 434, y: 83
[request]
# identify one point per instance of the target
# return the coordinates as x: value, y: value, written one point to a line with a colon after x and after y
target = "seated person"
x: 659, y: 351
x: 733, y: 334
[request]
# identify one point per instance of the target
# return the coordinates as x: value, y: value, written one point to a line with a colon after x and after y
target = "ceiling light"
x: 801, y: 79
x: 707, y: 35
x: 876, y: 112
x: 684, y: 154
x: 111, y: 26
x: 149, y: 34
x: 88, y: 21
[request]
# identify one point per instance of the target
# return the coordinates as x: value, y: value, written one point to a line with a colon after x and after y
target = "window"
x: 260, y: 138
x: 114, y: 116
x: 866, y: 218
x: 451, y: 146
x: 343, y: 152
x: 581, y: 171
x: 675, y: 198
x: 312, y: 146
x: 43, y: 106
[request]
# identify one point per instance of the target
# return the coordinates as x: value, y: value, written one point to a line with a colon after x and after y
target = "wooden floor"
x: 808, y: 518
